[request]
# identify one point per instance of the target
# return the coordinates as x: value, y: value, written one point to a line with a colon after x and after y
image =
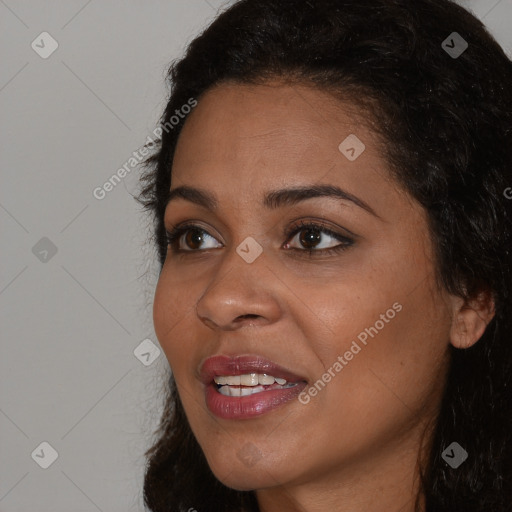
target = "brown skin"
x: 354, y: 446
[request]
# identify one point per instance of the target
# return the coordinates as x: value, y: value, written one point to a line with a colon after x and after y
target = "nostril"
x: 242, y: 318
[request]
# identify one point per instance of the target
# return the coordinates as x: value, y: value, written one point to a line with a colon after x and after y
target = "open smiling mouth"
x: 247, y: 386
x: 250, y: 384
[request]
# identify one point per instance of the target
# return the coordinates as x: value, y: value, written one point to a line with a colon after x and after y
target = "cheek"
x: 164, y: 312
x: 172, y: 304
x: 392, y: 339
x: 392, y: 371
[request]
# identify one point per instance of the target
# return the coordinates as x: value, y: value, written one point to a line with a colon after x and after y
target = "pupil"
x: 314, y: 237
x: 191, y: 235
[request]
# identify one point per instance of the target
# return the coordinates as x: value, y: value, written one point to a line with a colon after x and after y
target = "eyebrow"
x: 273, y: 199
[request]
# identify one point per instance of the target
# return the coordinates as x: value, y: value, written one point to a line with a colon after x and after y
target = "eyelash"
x: 175, y: 234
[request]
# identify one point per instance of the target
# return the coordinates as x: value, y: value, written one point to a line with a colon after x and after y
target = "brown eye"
x: 193, y: 238
x: 192, y: 235
x: 311, y: 236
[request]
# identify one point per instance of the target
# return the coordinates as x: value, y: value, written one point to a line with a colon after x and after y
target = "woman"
x: 334, y: 231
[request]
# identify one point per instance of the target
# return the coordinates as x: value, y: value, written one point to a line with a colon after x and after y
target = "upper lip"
x: 242, y: 364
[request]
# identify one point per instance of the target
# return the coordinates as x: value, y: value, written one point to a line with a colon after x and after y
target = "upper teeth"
x: 249, y: 379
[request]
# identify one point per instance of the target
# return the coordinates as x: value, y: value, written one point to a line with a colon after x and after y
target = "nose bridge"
x: 238, y: 288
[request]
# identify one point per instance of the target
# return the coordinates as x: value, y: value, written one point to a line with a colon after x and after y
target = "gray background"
x: 72, y: 320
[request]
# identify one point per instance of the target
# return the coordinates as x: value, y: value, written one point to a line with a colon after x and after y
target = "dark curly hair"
x: 447, y: 124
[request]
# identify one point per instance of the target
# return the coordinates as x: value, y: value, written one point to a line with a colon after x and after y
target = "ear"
x: 470, y: 319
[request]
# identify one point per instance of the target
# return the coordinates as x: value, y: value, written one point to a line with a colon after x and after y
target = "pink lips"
x: 245, y: 407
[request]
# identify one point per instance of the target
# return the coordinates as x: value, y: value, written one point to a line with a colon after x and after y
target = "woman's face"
x: 364, y: 321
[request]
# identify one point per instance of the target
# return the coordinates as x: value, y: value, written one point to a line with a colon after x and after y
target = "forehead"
x: 274, y: 129
x: 269, y: 113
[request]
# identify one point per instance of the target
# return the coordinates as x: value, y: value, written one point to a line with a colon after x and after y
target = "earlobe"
x: 470, y: 319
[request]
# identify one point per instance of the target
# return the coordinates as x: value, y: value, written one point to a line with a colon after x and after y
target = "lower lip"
x: 245, y: 407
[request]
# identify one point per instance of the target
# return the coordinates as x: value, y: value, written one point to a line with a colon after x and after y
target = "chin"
x: 246, y: 475
x: 248, y: 480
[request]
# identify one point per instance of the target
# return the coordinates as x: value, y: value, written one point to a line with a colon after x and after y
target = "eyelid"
x: 323, y: 225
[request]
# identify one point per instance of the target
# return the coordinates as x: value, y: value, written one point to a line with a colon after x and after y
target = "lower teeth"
x: 250, y: 390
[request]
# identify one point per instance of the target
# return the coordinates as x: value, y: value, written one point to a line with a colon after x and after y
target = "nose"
x: 240, y: 294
